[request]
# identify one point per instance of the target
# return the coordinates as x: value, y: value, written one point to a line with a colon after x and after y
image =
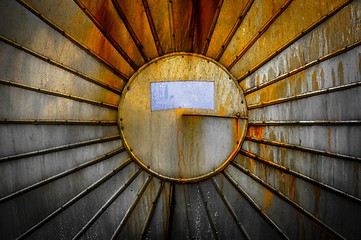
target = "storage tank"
x: 180, y: 119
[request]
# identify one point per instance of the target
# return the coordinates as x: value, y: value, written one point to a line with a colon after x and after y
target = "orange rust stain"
x: 314, y: 80
x: 180, y: 147
x: 251, y: 165
x: 333, y: 77
x: 329, y: 139
x: 340, y: 73
x: 267, y: 200
x: 256, y: 132
x: 292, y: 188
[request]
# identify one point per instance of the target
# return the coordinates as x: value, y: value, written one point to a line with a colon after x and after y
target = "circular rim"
x: 147, y: 168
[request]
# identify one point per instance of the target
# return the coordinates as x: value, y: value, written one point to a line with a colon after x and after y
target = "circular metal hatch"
x: 182, y: 117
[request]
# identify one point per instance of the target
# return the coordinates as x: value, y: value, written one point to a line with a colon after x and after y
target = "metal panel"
x: 65, y: 14
x: 277, y: 208
x: 288, y: 25
x: 41, y: 74
x: 111, y: 25
x: 135, y: 14
x: 229, y: 15
x: 59, y: 194
x: 38, y: 137
x: 26, y: 29
x: 48, y: 165
x: 258, y: 15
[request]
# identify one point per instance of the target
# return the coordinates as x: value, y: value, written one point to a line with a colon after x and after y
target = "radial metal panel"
x: 67, y: 174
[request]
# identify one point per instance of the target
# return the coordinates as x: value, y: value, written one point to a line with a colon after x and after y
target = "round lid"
x: 182, y: 117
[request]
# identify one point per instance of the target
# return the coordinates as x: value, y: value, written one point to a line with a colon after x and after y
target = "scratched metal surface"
x: 66, y: 174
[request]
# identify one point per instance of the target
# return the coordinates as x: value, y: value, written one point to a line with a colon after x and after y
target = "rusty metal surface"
x: 195, y: 142
x: 66, y: 173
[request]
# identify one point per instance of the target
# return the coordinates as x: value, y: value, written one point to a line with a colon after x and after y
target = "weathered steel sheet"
x: 259, y: 13
x: 41, y: 207
x: 67, y: 16
x: 106, y: 15
x: 288, y: 25
x: 47, y: 165
x: 228, y: 16
x: 40, y: 74
x: 26, y: 29
x: 314, y: 45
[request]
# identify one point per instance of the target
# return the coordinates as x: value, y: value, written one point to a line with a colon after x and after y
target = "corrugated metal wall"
x: 65, y: 173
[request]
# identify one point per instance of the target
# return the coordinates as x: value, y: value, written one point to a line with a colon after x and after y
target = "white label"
x: 182, y: 94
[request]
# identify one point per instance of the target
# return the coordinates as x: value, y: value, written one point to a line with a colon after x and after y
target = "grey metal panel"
x: 337, y: 173
x: 28, y: 30
x: 158, y: 228
x: 39, y: 203
x: 180, y: 220
x: 40, y: 74
x: 25, y: 104
x: 254, y: 224
x: 338, y: 213
x: 337, y: 71
x: 224, y: 223
x: 48, y: 165
x: 199, y: 225
x: 107, y: 223
x: 134, y: 225
x: 38, y: 137
x: 66, y: 225
x: 291, y: 221
x: 335, y: 106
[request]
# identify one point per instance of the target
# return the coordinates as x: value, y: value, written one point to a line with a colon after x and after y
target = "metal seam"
x: 305, y: 123
x: 59, y: 122
x: 107, y: 36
